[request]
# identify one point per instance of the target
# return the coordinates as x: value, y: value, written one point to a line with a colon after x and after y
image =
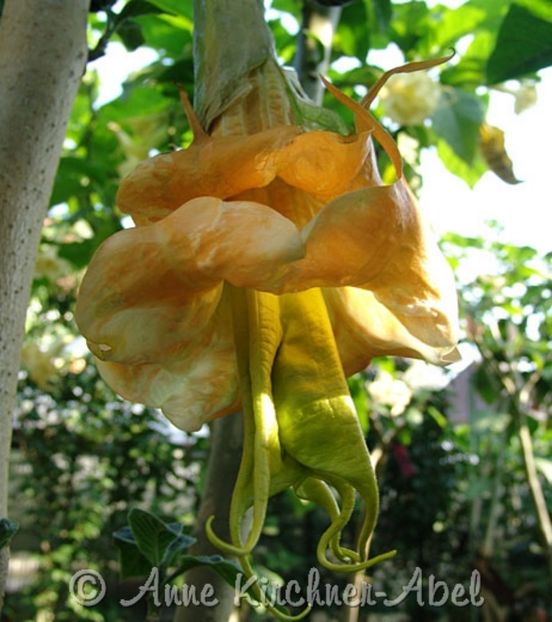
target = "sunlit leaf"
x: 409, y: 25
x: 353, y: 33
x: 457, y: 120
x: 524, y: 42
x: 178, y: 7
x: 471, y: 174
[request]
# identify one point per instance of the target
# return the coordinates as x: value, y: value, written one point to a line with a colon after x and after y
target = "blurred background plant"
x: 462, y: 454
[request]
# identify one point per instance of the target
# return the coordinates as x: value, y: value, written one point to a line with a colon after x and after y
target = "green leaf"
x: 353, y: 33
x: 524, y: 42
x: 383, y: 10
x: 288, y: 6
x: 135, y: 8
x: 131, y: 35
x: 154, y: 537
x: 74, y: 177
x: 409, y: 25
x: 471, y: 174
x: 455, y: 23
x: 471, y: 70
x: 136, y: 101
x: 457, y: 121
x: 177, y: 7
x: 366, y: 75
x: 316, y: 117
x: 173, y: 552
x: 132, y: 562
x: 173, y: 34
x: 7, y: 530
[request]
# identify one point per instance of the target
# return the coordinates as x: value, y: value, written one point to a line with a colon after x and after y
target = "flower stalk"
x: 230, y: 40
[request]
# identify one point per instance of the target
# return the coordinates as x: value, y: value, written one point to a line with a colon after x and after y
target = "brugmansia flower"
x: 410, y: 98
x: 270, y: 262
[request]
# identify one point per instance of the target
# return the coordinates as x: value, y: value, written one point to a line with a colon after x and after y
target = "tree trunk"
x: 312, y: 59
x: 42, y: 58
x: 222, y: 470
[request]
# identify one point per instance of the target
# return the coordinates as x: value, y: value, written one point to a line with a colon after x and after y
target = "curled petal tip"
x: 452, y: 356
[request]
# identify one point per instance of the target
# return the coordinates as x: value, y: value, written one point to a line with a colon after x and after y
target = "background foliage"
x: 455, y: 489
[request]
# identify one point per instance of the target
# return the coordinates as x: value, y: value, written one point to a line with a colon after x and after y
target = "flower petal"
x: 365, y: 328
x: 376, y: 239
x: 218, y: 167
x: 189, y: 392
x: 324, y: 164
x: 154, y: 291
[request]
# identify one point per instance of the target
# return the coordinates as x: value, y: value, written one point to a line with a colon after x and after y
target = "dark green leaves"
x: 97, y: 5
x: 524, y: 42
x: 131, y: 35
x: 383, y: 10
x: 150, y: 543
x: 157, y: 540
x: 123, y: 23
x: 178, y: 7
x: 136, y: 8
x: 353, y: 33
x: 133, y: 562
x: 7, y: 530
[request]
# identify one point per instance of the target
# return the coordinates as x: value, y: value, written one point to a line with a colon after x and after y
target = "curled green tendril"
x: 317, y: 491
x: 248, y: 573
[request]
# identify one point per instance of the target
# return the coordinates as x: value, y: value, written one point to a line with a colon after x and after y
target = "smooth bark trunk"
x: 42, y: 57
x: 224, y: 461
x: 312, y: 59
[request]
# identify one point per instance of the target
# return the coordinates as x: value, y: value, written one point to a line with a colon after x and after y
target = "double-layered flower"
x: 268, y: 263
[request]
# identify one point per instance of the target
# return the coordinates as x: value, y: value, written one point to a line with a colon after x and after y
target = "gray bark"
x: 42, y: 58
x: 224, y: 461
x: 311, y: 59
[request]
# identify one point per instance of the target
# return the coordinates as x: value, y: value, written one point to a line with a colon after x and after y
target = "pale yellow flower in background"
x: 410, y: 98
x: 389, y: 391
x: 49, y: 265
x: 39, y: 364
x: 421, y: 375
x: 147, y: 133
x: 49, y: 357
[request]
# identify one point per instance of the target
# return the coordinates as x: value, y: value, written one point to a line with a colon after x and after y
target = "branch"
x: 42, y: 57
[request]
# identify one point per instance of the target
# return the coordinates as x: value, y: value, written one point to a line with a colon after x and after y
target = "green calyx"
x: 300, y: 428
